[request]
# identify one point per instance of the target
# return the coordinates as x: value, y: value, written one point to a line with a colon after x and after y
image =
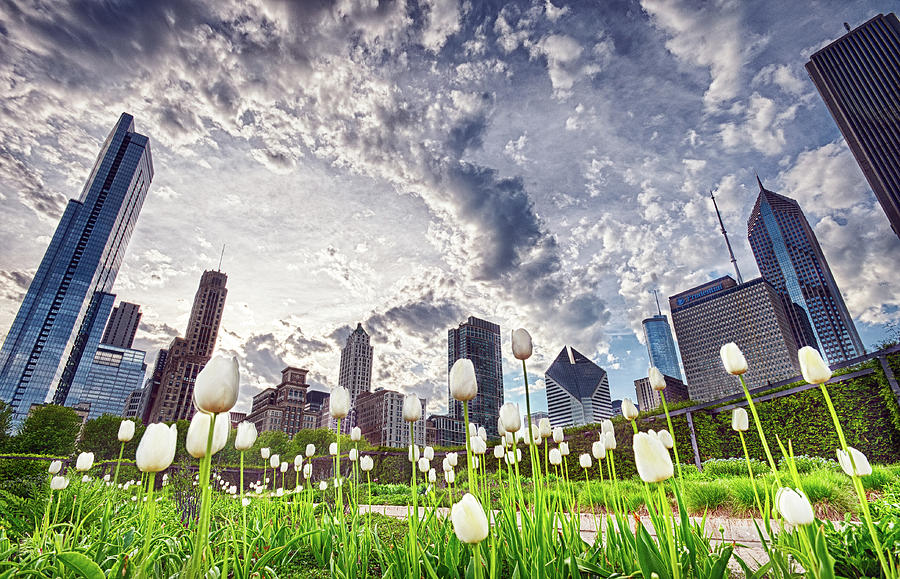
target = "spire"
x: 737, y: 271
x: 656, y: 295
x: 761, y: 188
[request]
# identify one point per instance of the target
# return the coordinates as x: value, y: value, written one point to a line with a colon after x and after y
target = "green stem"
x: 752, y: 479
x: 151, y: 515
x: 201, y: 541
x: 468, y: 446
x: 479, y: 572
x: 762, y: 435
x: 414, y: 515
x: 662, y: 395
x: 864, y: 503
x: 244, y: 507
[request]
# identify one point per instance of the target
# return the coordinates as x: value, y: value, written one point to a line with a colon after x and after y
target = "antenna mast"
x: 221, y: 256
x: 656, y: 295
x: 737, y: 271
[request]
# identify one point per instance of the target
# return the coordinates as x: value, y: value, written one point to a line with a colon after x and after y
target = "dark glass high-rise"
x: 62, y: 318
x: 479, y: 341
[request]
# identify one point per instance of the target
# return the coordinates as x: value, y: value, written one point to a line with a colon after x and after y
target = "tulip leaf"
x: 81, y: 564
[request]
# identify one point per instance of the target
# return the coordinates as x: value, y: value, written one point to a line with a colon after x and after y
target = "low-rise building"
x: 648, y: 398
x: 281, y: 408
x: 380, y: 418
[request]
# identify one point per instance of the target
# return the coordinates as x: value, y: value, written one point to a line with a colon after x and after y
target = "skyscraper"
x: 111, y: 376
x: 356, y: 369
x: 790, y: 259
x: 281, y: 408
x: 62, y: 317
x: 751, y: 315
x: 858, y: 77
x: 661, y: 346
x: 479, y: 341
x: 188, y: 355
x: 122, y: 325
x: 577, y: 390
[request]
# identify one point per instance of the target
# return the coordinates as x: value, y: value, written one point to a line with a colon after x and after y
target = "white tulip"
x: 245, y: 501
x: 55, y: 467
x: 500, y: 430
x: 274, y: 461
x: 198, y: 433
x: 733, y: 359
x: 432, y: 476
x: 651, y: 458
x: 564, y: 448
x: 657, y: 380
x: 740, y: 422
x: 156, y: 450
x: 499, y: 451
x: 794, y: 506
x: 609, y: 440
x: 469, y: 520
x: 283, y: 467
x: 307, y: 470
x: 298, y: 460
x: 510, y: 417
x: 450, y: 477
x: 413, y: 452
x: 453, y: 458
x: 106, y: 478
x: 339, y: 402
x: 598, y: 449
x: 412, y: 408
x: 521, y: 344
x: 246, y: 436
x: 585, y: 461
x: 217, y: 385
x: 479, y: 446
x: 310, y: 450
x: 863, y: 468
x: 332, y: 449
x: 665, y: 437
x: 607, y: 426
x: 85, y: 461
x: 482, y: 433
x: 463, y: 386
x: 323, y: 486
x: 428, y: 453
x: 555, y: 457
x: 812, y: 366
x: 279, y: 492
x: 629, y: 410
x: 86, y: 479
x: 58, y: 483
x: 265, y: 452
x: 545, y: 428
x: 126, y: 430
x: 558, y: 435
x: 366, y: 463
x: 353, y: 454
x: 355, y: 434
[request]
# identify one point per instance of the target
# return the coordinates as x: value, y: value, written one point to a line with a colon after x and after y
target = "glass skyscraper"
x: 112, y: 375
x: 479, y: 341
x: 789, y: 257
x: 858, y: 76
x: 661, y: 346
x: 62, y: 318
x: 577, y: 390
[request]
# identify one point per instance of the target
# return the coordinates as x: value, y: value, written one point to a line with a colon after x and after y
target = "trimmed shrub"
x: 737, y: 466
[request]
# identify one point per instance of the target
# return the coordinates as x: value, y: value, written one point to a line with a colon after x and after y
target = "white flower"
x: 106, y: 478
x: 310, y: 450
x: 564, y: 448
x: 739, y: 420
x: 521, y: 344
x: 307, y: 470
x: 499, y: 451
x: 355, y: 434
x: 323, y: 486
x: 812, y: 366
x: 217, y: 385
x: 469, y: 520
x: 452, y: 458
x: 283, y: 467
x: 428, y: 453
x: 629, y: 410
x: 412, y: 408
x: 665, y: 437
x: 482, y: 433
x: 500, y: 430
x: 432, y: 475
x: 55, y: 467
x: 545, y: 429
x: 353, y: 455
x: 585, y: 461
x: 86, y: 478
x: 863, y: 468
x: 298, y: 460
x: 555, y: 457
x: 332, y: 449
x: 246, y: 436
x: 651, y: 458
x: 558, y: 435
x: 794, y: 506
x: 607, y: 426
x: 198, y: 433
x: 733, y: 359
x: 450, y: 477
x: 265, y: 452
x: 156, y: 450
x: 510, y: 417
x: 463, y: 385
x: 598, y: 449
x: 58, y: 483
x: 279, y: 492
x: 339, y: 402
x: 478, y: 445
x: 245, y: 501
x: 274, y: 461
x: 366, y: 463
x: 126, y: 430
x: 657, y: 380
x: 85, y: 461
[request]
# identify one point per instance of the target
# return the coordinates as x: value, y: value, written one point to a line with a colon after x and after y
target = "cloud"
x: 442, y: 22
x: 763, y: 128
x: 515, y: 149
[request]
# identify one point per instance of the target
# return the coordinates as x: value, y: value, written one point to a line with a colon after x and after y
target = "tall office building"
x: 356, y: 369
x: 479, y: 341
x: 122, y: 325
x: 112, y: 375
x: 188, y: 355
x: 790, y: 259
x: 380, y: 419
x: 62, y: 317
x: 577, y: 390
x: 661, y: 346
x: 281, y: 408
x: 140, y: 401
x: 751, y: 315
x: 858, y: 77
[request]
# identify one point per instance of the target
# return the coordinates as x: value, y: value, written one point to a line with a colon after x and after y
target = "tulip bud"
x: 665, y: 437
x: 651, y: 458
x: 500, y: 430
x: 469, y: 521
x: 274, y: 461
x: 794, y: 506
x: 428, y: 453
x: 156, y: 450
x: 509, y: 439
x: 217, y: 385
x: 246, y: 436
x: 86, y: 479
x: 307, y: 470
x: 55, y: 467
x: 733, y: 359
x: 558, y: 435
x: 432, y: 476
x: 323, y: 486
x: 739, y: 420
x: 413, y: 453
x: 544, y: 427
x: 607, y: 426
x: 510, y: 417
x: 58, y: 483
x: 629, y: 410
x: 609, y: 440
x: 245, y: 501
x: 424, y: 464
x: 283, y: 467
x: 310, y: 450
x: 298, y: 460
x: 499, y: 451
x: 339, y: 402
x: 355, y: 434
x: 450, y: 477
x: 598, y: 449
x: 812, y: 366
x: 564, y: 448
x: 521, y: 344
x: 366, y: 463
x: 412, y: 408
x: 265, y: 452
x: 482, y: 433
x: 463, y: 386
x: 85, y: 461
x: 555, y: 457
x: 332, y: 449
x: 585, y: 461
x: 126, y: 430
x: 453, y: 459
x: 353, y: 455
x: 198, y: 433
x: 863, y: 468
x: 657, y: 380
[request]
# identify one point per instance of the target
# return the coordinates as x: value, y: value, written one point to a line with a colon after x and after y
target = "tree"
x: 5, y: 423
x: 49, y: 429
x: 101, y: 436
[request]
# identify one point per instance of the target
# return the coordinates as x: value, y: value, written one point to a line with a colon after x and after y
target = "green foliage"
x: 22, y: 477
x: 700, y: 497
x: 734, y: 466
x: 5, y: 424
x: 100, y: 436
x: 49, y: 429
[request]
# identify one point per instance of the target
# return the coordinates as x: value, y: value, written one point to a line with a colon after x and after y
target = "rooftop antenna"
x: 221, y: 256
x: 656, y: 295
x: 737, y: 271
x: 847, y: 26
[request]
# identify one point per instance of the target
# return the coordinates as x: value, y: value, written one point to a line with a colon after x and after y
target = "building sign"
x: 684, y: 300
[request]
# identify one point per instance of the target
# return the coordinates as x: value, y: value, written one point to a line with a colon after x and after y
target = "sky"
x: 540, y: 164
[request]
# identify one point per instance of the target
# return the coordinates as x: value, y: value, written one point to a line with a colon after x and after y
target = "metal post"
x: 889, y: 374
x: 690, y: 421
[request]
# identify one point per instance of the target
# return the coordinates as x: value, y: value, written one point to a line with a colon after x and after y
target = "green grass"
x: 700, y: 497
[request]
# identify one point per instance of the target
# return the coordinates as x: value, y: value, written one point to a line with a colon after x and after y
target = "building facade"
x: 112, y: 376
x: 315, y: 411
x: 187, y: 356
x: 380, y: 418
x: 479, y: 341
x: 790, y: 259
x: 444, y: 430
x: 122, y: 325
x: 356, y: 370
x: 281, y: 408
x: 68, y: 302
x: 140, y: 401
x: 721, y: 311
x: 661, y: 346
x: 857, y: 77
x: 648, y: 398
x: 577, y: 390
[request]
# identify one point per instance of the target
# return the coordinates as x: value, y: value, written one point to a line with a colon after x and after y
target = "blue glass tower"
x: 62, y: 318
x: 789, y: 257
x: 112, y: 375
x: 479, y: 341
x: 661, y: 346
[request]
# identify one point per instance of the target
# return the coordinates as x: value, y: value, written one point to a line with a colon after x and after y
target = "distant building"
x: 122, y: 326
x: 112, y: 375
x: 140, y: 402
x: 721, y: 311
x: 536, y: 417
x: 444, y: 430
x: 790, y: 259
x: 356, y: 369
x: 617, y: 407
x: 188, y: 356
x: 577, y: 390
x: 857, y: 77
x: 380, y: 418
x: 479, y: 341
x: 315, y: 411
x: 648, y: 398
x: 237, y: 418
x: 281, y: 408
x: 132, y: 408
x: 661, y: 346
